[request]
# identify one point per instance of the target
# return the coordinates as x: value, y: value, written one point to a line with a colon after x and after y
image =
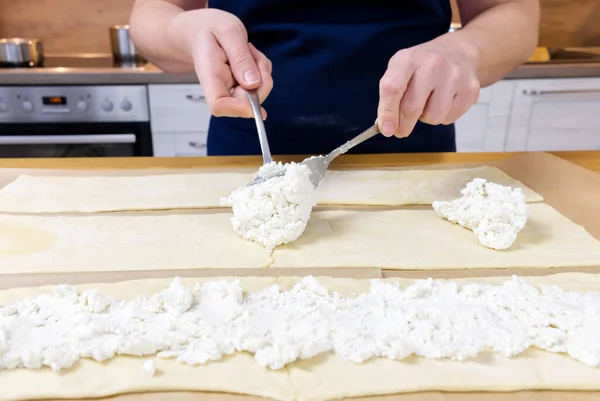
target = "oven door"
x: 24, y: 140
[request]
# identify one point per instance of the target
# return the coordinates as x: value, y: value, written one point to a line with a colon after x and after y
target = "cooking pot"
x: 123, y: 49
x: 21, y: 52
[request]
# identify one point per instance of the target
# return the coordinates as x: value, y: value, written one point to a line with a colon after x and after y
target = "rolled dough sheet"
x: 398, y: 239
x: 28, y: 194
x: 420, y: 240
x: 46, y: 244
x: 324, y: 377
x: 238, y: 373
x: 407, y: 187
x: 329, y: 377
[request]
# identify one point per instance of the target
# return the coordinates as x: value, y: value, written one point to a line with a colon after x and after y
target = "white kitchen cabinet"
x: 178, y: 108
x: 510, y: 115
x: 179, y: 119
x: 190, y: 143
x: 555, y: 114
x: 169, y: 144
x: 163, y: 144
x: 483, y: 128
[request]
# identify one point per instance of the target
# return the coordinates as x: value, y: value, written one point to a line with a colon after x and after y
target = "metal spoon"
x: 318, y: 164
x: 260, y: 126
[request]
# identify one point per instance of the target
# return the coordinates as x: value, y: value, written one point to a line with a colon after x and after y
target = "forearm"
x: 160, y: 34
x: 496, y: 40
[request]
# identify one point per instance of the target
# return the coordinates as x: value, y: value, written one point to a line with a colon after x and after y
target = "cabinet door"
x: 190, y: 143
x: 178, y: 108
x: 163, y: 144
x: 470, y: 129
x: 483, y: 128
x: 174, y: 144
x: 555, y: 114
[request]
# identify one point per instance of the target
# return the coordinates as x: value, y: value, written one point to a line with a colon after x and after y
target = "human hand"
x: 226, y: 63
x: 429, y: 82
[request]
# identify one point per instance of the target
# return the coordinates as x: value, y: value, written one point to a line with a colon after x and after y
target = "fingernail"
x: 251, y: 77
x: 388, y: 128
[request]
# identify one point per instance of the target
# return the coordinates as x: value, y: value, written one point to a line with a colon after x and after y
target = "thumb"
x: 234, y: 43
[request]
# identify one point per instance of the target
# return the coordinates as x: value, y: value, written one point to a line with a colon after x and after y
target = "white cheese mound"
x: 276, y: 211
x: 149, y: 367
x: 495, y: 213
x: 430, y: 318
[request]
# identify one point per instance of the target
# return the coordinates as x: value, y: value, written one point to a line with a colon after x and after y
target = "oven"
x: 74, y: 121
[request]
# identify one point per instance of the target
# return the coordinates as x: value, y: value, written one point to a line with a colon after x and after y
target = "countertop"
x: 587, y: 159
x: 151, y: 74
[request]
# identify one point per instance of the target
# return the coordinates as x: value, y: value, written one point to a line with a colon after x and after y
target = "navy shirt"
x: 328, y: 57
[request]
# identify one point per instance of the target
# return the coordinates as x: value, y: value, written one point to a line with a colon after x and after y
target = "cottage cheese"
x: 431, y: 318
x: 149, y: 368
x: 495, y: 213
x: 276, y: 211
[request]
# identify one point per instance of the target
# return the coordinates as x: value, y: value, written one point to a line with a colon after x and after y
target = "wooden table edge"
x: 587, y: 159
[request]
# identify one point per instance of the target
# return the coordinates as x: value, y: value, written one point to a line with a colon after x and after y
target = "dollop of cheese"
x: 495, y: 213
x: 275, y: 211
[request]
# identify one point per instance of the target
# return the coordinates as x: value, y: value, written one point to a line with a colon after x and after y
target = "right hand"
x: 226, y: 63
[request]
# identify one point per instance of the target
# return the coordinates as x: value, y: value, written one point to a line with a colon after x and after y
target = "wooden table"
x: 587, y: 159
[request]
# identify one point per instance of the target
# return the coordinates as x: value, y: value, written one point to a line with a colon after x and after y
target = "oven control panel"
x: 30, y: 104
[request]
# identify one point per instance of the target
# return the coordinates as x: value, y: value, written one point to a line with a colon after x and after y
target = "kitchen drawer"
x: 471, y: 128
x: 178, y: 108
x: 483, y: 127
x: 190, y: 144
x: 555, y: 114
x: 163, y: 147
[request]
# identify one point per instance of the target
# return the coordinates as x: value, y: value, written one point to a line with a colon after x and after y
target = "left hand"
x: 428, y: 82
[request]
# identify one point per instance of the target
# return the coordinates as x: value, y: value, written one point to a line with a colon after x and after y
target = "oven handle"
x: 66, y: 139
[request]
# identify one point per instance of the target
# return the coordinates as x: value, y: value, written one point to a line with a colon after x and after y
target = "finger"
x: 462, y: 101
x: 440, y: 101
x: 414, y: 101
x: 460, y: 105
x: 216, y: 80
x: 392, y: 87
x: 260, y: 57
x: 240, y: 94
x: 233, y: 39
x: 265, y: 67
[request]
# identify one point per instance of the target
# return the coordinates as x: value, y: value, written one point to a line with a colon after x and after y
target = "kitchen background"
x: 550, y: 103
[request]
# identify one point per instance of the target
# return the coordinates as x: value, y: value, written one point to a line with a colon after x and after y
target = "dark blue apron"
x: 328, y: 57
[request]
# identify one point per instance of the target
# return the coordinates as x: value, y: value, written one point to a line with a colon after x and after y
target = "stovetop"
x: 80, y: 62
x: 89, y: 69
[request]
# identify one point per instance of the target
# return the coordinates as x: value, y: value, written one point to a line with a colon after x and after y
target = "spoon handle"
x: 260, y: 126
x: 371, y: 132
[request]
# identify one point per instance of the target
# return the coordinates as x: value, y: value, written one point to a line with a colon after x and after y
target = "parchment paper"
x: 572, y: 190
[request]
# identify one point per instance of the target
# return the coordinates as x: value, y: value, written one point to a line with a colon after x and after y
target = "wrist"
x: 181, y: 31
x: 468, y: 52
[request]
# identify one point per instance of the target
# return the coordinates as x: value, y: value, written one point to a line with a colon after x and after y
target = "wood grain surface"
x: 586, y: 159
x: 68, y: 26
x: 64, y: 26
x: 564, y: 23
